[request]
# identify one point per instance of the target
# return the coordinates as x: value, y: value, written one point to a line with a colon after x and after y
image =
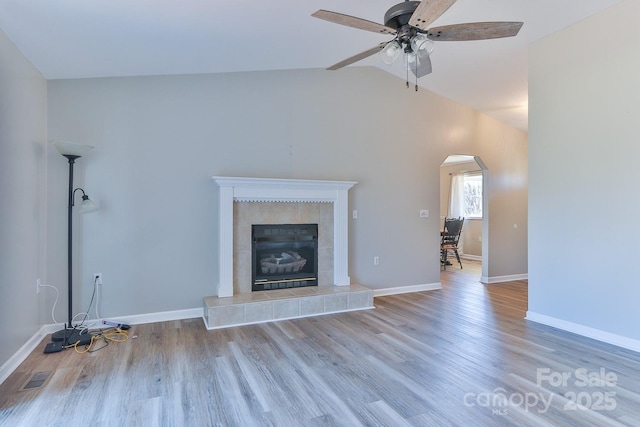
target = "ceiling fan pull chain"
x: 406, y: 67
x: 416, y: 71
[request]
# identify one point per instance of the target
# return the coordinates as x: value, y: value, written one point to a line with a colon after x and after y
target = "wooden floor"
x: 461, y: 356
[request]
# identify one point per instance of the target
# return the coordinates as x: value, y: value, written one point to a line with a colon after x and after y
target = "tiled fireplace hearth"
x: 243, y: 202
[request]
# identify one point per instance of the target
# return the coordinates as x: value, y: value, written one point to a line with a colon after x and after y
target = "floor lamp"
x: 70, y: 335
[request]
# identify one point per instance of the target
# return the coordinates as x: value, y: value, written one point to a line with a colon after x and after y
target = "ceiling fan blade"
x: 428, y: 11
x: 424, y: 67
x: 358, y: 57
x: 352, y: 21
x: 474, y: 31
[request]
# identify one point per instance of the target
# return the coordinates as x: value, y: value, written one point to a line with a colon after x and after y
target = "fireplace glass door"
x: 284, y: 256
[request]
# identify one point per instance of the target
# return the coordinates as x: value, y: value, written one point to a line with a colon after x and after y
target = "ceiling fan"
x: 408, y: 22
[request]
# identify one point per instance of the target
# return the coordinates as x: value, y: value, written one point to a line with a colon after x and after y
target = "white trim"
x: 163, y: 316
x: 471, y: 257
x: 23, y: 352
x: 280, y: 190
x: 19, y: 356
x: 585, y: 331
x: 406, y: 289
x: 501, y: 279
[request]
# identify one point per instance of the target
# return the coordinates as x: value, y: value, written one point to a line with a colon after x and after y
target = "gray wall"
x: 584, y: 178
x: 23, y: 93
x: 160, y: 139
x: 504, y: 153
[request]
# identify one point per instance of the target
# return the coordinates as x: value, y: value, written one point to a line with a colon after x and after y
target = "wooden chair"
x: 449, y: 239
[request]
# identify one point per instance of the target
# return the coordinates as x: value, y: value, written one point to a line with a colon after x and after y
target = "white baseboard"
x: 471, y: 257
x: 406, y: 289
x: 585, y: 331
x: 501, y: 279
x: 19, y: 356
x: 23, y: 352
x: 164, y: 316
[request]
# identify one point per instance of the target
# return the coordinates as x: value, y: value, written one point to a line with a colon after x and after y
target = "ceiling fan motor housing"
x: 397, y: 17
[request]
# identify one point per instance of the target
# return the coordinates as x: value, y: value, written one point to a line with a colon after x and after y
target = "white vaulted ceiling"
x: 105, y: 38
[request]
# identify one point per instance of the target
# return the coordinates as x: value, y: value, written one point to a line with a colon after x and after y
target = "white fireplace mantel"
x: 232, y: 189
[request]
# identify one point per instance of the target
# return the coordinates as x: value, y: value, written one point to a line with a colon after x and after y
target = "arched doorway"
x: 473, y: 171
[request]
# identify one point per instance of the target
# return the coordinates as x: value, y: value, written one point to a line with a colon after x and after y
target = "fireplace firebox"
x: 284, y: 256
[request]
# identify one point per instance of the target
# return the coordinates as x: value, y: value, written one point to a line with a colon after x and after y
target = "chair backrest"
x: 452, y: 230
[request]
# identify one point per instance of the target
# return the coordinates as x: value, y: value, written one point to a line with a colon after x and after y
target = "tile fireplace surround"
x: 229, y: 308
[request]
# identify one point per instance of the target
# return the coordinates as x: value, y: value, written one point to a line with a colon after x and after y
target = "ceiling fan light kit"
x: 408, y: 22
x: 422, y: 45
x: 390, y: 52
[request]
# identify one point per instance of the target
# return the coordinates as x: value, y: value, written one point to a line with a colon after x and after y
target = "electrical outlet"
x: 97, y: 278
x: 376, y: 260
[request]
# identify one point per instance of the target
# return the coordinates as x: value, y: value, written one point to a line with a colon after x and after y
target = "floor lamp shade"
x: 87, y: 205
x: 72, y: 149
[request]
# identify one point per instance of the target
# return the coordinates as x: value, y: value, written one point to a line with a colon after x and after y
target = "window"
x: 473, y: 195
x: 466, y: 195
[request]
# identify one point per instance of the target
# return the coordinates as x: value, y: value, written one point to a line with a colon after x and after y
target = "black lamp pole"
x: 72, y: 160
x: 69, y: 334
